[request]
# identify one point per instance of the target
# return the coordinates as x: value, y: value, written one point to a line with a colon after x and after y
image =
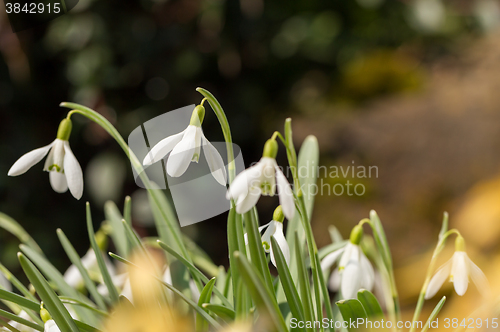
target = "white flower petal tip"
x: 285, y: 194
x: 23, y: 164
x: 458, y: 270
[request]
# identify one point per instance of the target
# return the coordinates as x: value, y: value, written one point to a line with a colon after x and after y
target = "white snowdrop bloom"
x: 262, y: 179
x: 185, y: 147
x: 64, y: 170
x: 51, y: 326
x: 458, y: 270
x: 72, y: 275
x: 275, y: 229
x: 354, y: 269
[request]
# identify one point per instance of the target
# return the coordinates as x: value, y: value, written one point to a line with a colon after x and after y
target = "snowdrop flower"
x: 261, y: 179
x: 185, y: 147
x: 64, y: 170
x: 274, y: 228
x: 355, y: 270
x: 457, y: 270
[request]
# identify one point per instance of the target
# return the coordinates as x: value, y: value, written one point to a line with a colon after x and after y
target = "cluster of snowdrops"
x: 168, y: 282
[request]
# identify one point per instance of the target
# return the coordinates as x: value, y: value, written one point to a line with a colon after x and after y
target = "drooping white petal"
x: 28, y: 160
x: 351, y: 252
x: 182, y: 154
x: 268, y: 181
x: 285, y: 194
x: 266, y: 237
x: 198, y: 143
x: 351, y: 280
x: 280, y: 238
x: 245, y: 236
x: 72, y: 275
x: 127, y: 291
x: 51, y: 326
x: 73, y: 172
x: 479, y: 279
x: 334, y: 281
x: 55, y: 159
x: 214, y: 161
x: 438, y: 279
x: 244, y: 181
x: 244, y: 204
x: 367, y: 272
x: 162, y: 148
x: 58, y: 182
x: 460, y: 272
x: 330, y: 259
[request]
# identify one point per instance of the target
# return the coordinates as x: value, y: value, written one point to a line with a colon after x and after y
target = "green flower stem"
x: 106, y: 125
x: 430, y: 270
x: 226, y: 131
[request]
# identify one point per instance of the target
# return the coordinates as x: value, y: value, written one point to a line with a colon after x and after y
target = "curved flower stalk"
x: 64, y: 170
x: 262, y: 179
x: 274, y: 228
x: 458, y: 270
x: 185, y: 147
x: 354, y: 269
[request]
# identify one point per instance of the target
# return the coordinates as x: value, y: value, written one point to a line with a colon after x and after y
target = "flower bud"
x: 459, y: 243
x: 64, y: 130
x: 278, y: 214
x: 197, y: 116
x: 44, y: 314
x: 356, y: 234
x: 270, y: 149
x: 102, y: 239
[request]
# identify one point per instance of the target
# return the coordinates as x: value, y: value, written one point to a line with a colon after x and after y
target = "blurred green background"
x: 408, y: 86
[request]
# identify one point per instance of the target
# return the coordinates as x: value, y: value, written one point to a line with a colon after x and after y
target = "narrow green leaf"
x: 434, y: 314
x: 20, y: 300
x: 256, y: 250
x: 15, y: 318
x: 85, y: 327
x: 127, y: 210
x: 205, y: 296
x: 223, y: 312
x: 261, y: 295
x: 114, y: 217
x: 75, y: 259
x: 381, y: 239
x: 289, y: 288
x: 351, y: 310
x: 13, y: 227
x: 51, y: 302
x: 14, y: 281
x: 370, y: 304
x: 55, y: 276
x: 192, y: 269
x: 72, y: 301
x: 304, y: 285
x: 113, y: 293
x: 444, y: 226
